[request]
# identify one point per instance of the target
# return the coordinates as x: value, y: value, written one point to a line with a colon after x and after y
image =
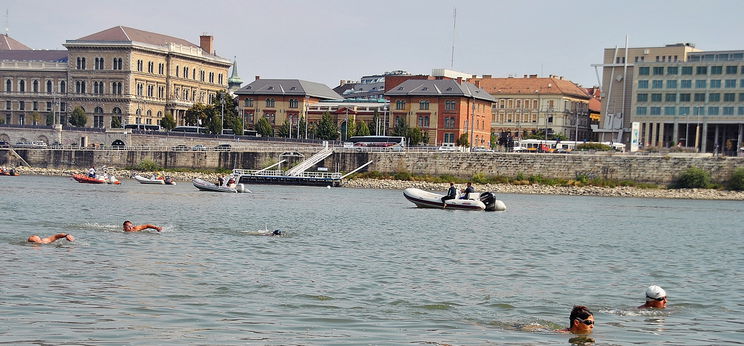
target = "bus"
x: 190, y: 129
x: 391, y: 142
x: 551, y: 146
x: 142, y: 127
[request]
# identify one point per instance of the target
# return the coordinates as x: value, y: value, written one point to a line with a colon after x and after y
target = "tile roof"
x: 289, y: 87
x: 438, y: 87
x: 34, y: 55
x: 595, y: 105
x: 126, y: 34
x: 8, y: 43
x: 546, y: 86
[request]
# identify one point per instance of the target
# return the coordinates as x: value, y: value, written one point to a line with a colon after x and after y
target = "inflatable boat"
x: 474, y: 201
x: 98, y: 179
x: 153, y: 180
x: 204, y: 185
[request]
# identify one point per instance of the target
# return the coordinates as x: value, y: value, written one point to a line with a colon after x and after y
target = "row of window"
x: 687, y: 84
x: 449, y: 105
x: 689, y: 97
x: 271, y: 103
x: 687, y: 70
x: 684, y: 111
x: 35, y: 85
x: 21, y: 105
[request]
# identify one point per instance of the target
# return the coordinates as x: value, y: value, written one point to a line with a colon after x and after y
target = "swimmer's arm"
x: 146, y: 226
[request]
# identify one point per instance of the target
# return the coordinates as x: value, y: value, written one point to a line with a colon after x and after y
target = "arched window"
x: 160, y: 114
x: 22, y: 86
x: 139, y: 112
x: 49, y: 87
x: 62, y: 87
x: 149, y: 113
x: 8, y: 86
x: 35, y: 86
x: 176, y: 70
x: 293, y: 103
x: 116, y: 110
x: 98, y: 110
x: 270, y: 103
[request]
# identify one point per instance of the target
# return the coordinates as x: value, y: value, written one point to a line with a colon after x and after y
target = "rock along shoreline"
x: 533, y: 189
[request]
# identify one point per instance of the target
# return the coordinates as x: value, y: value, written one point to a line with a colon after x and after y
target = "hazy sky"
x: 326, y: 41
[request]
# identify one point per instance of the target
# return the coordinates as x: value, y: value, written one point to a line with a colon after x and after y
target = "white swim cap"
x: 654, y: 292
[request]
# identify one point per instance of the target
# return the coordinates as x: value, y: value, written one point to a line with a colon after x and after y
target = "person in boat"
x: 92, y: 172
x: 581, y: 321
x: 468, y: 190
x: 451, y: 194
x: 50, y: 239
x: 220, y: 181
x: 231, y: 182
x: 129, y: 227
x: 656, y: 298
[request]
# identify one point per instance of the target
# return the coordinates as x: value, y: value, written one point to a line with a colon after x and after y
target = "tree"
x: 362, y: 129
x: 115, y: 122
x: 231, y: 116
x: 303, y: 127
x: 463, y: 140
x: 327, y: 128
x: 168, y: 122
x: 214, y: 123
x: 263, y: 127
x: 414, y: 136
x: 375, y: 120
x: 237, y: 126
x: 35, y: 117
x: 494, y: 140
x: 197, y: 114
x: 540, y: 134
x: 283, y: 131
x: 400, y: 129
x: 50, y: 119
x: 78, y: 118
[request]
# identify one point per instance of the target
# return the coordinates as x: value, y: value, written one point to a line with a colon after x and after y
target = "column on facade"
x: 704, y: 136
x: 652, y: 141
x: 738, y: 139
x: 661, y: 134
x: 644, y: 133
x: 675, y: 132
x: 715, y: 140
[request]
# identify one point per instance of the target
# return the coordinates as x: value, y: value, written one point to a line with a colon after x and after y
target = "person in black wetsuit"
x: 451, y: 194
x: 468, y: 190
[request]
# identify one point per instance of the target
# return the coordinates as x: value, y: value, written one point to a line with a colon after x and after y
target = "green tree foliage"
x: 35, y: 118
x: 197, y: 114
x: 214, y: 123
x: 540, y: 134
x: 693, y: 178
x: 373, y: 126
x: 400, y: 128
x: 414, y: 136
x: 78, y: 118
x: 50, y: 119
x: 232, y: 119
x: 303, y: 128
x: 284, y: 130
x: 463, y: 140
x: 115, y: 122
x: 168, y: 122
x: 494, y: 140
x: 264, y: 128
x: 736, y: 182
x: 237, y: 126
x: 362, y: 129
x: 327, y: 128
x: 593, y: 146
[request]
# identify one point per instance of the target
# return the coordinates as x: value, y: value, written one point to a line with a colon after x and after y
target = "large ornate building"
x: 117, y: 76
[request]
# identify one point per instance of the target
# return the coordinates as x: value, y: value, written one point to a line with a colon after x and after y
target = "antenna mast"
x: 454, y: 25
x: 7, y: 20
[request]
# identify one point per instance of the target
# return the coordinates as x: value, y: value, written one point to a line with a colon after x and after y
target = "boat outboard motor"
x: 492, y: 204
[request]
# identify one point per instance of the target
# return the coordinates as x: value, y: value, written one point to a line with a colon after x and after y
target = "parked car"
x: 482, y: 150
x: 56, y: 145
x: 180, y: 147
x: 448, y: 147
x: 223, y: 147
x: 4, y: 144
x: 31, y: 145
x: 199, y: 147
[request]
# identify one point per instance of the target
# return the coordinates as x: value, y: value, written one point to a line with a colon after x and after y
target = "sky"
x: 327, y: 41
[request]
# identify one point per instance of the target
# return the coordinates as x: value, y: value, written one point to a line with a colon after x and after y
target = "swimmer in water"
x: 129, y: 227
x: 50, y: 239
x: 581, y: 321
x: 656, y: 298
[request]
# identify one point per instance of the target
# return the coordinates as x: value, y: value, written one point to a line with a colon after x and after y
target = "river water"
x: 359, y: 266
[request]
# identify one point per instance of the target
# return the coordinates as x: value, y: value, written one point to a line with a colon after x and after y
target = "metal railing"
x: 280, y: 173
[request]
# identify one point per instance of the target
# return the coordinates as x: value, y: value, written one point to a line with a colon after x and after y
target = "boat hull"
x: 204, y: 185
x: 143, y: 180
x: 82, y: 178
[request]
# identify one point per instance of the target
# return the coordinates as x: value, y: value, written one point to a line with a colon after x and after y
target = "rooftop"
x: 530, y: 85
x: 439, y: 87
x: 296, y: 87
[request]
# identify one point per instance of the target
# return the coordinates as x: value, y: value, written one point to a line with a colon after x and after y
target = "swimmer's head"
x: 276, y: 232
x: 655, y: 293
x: 34, y: 239
x: 127, y: 226
x: 581, y: 320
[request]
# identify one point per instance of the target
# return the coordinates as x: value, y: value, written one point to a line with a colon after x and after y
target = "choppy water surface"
x: 359, y: 267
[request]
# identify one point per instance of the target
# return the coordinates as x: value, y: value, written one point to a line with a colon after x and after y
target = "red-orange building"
x: 444, y: 109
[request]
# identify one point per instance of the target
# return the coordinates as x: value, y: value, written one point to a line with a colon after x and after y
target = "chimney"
x: 477, y: 83
x: 459, y: 80
x: 486, y: 76
x: 524, y: 76
x: 533, y: 76
x: 206, y: 42
x: 258, y: 77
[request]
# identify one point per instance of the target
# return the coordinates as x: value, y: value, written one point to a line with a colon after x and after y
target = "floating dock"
x: 279, y: 177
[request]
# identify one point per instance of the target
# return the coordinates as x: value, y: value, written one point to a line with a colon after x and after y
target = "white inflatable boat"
x: 204, y: 185
x: 474, y: 201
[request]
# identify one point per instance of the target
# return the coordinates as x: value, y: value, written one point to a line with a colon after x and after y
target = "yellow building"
x: 121, y: 73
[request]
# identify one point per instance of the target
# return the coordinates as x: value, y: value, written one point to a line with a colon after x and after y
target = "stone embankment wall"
x: 639, y: 168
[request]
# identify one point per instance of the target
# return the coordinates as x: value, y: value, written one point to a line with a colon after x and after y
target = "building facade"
x: 280, y: 100
x: 444, y: 109
x: 369, y: 88
x: 117, y: 76
x: 618, y: 70
x: 697, y: 102
x: 529, y: 105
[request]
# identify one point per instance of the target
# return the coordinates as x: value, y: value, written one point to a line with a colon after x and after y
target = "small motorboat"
x: 98, y: 179
x: 474, y: 201
x: 11, y: 172
x: 152, y: 180
x: 204, y: 185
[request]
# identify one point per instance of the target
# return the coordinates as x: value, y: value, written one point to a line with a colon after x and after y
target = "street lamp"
x: 576, y: 137
x: 222, y: 115
x: 472, y: 124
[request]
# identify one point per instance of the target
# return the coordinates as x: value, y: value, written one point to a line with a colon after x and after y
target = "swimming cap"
x: 653, y: 292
